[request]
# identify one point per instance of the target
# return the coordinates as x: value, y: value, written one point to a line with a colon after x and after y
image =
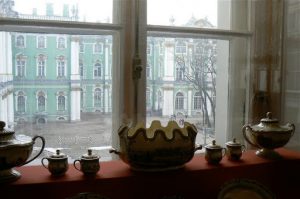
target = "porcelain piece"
x: 57, y: 163
x: 214, y: 153
x: 157, y: 148
x: 268, y: 135
x: 89, y: 163
x: 234, y: 149
x: 15, y: 150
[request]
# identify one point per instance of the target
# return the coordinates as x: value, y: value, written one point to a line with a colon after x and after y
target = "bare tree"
x: 199, y: 69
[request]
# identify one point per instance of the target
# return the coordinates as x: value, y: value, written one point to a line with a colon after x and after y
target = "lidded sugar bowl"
x: 268, y: 135
x: 234, y: 149
x: 57, y: 163
x: 89, y: 163
x: 214, y: 153
x: 15, y: 151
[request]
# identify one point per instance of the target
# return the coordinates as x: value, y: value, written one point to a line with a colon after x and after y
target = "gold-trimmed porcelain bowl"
x: 157, y: 148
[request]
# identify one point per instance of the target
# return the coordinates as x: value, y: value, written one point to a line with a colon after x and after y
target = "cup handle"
x: 197, y: 147
x: 75, y: 161
x: 243, y: 148
x: 42, y: 148
x: 44, y: 165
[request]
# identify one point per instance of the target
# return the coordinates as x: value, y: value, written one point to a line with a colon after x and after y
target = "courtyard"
x: 93, y: 131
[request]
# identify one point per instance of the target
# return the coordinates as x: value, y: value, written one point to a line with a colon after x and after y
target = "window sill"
x: 115, y: 179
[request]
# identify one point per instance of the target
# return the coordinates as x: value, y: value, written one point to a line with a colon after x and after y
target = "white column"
x: 168, y: 102
x: 75, y: 79
x: 169, y: 60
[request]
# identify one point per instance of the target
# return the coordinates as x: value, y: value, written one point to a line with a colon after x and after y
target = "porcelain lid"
x: 58, y: 155
x: 213, y: 145
x: 89, y: 156
x: 234, y: 142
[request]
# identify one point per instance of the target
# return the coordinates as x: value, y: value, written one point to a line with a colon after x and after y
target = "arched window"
x: 21, y: 101
x: 181, y: 47
x: 81, y: 47
x: 61, y: 42
x: 179, y: 101
x: 97, y: 70
x: 20, y: 66
x: 148, y: 70
x: 97, y: 97
x: 20, y: 41
x: 41, y: 68
x: 197, y: 101
x: 179, y: 73
x: 41, y: 41
x: 61, y: 67
x: 61, y: 102
x: 41, y: 101
x: 159, y: 100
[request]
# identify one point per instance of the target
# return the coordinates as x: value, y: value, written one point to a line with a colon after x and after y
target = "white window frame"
x: 24, y: 41
x: 38, y: 42
x: 59, y: 60
x: 17, y: 95
x: 58, y: 94
x: 100, y: 48
x: 58, y: 42
x: 37, y: 99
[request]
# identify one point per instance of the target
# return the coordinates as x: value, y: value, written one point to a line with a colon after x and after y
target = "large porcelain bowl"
x: 157, y: 148
x: 15, y: 150
x: 268, y: 135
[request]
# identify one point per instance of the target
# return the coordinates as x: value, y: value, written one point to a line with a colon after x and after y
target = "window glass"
x: 64, y: 10
x: 44, y: 103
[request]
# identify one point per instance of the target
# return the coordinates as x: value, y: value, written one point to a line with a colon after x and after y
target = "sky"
x: 159, y: 11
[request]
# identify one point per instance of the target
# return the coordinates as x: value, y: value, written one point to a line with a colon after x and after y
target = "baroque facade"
x: 55, y: 77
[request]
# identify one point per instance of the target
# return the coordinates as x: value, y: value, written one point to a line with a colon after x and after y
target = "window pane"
x: 73, y: 112
x: 202, y: 87
x: 198, y: 13
x: 291, y: 91
x: 99, y: 11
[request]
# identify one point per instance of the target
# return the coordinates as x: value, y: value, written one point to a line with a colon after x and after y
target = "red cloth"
x: 115, y: 180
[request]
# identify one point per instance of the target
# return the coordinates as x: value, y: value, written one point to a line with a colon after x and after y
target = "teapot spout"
x: 112, y: 150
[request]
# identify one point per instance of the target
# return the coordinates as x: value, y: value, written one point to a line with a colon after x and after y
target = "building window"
x: 41, y: 41
x: 148, y: 99
x: 180, y: 73
x: 149, y: 49
x: 61, y: 67
x: 61, y: 42
x: 41, y: 101
x: 20, y: 66
x: 81, y: 69
x: 148, y: 70
x: 81, y: 47
x: 20, y: 41
x: 179, y: 101
x: 97, y: 98
x: 181, y: 47
x: 97, y: 70
x: 98, y: 48
x: 41, y: 66
x: 197, y: 101
x: 21, y: 102
x: 159, y: 100
x: 61, y: 102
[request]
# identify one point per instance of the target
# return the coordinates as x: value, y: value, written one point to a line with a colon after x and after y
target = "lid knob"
x: 269, y: 115
x: 234, y: 140
x: 57, y: 152
x: 89, y: 152
x: 214, y: 142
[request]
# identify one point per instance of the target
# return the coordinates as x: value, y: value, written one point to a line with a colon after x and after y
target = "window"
x: 98, y: 48
x: 61, y: 67
x: 211, y: 40
x: 61, y: 102
x: 149, y: 49
x: 21, y: 102
x: 97, y: 70
x: 97, y: 98
x: 41, y: 41
x: 41, y: 101
x: 41, y: 66
x: 81, y: 69
x: 179, y: 103
x: 61, y: 42
x: 181, y: 47
x: 20, y: 41
x: 20, y: 66
x: 197, y: 101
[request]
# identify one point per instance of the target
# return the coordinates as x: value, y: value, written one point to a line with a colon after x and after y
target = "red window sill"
x: 115, y: 180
